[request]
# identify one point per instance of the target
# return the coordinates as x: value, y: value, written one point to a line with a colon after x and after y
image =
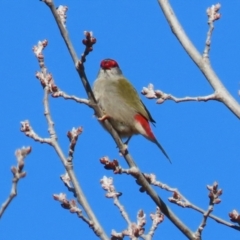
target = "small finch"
x: 121, y: 104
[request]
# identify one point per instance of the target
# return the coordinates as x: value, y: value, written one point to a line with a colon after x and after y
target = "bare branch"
x: 137, y: 229
x: 114, y: 165
x: 140, y: 178
x: 157, y: 218
x: 18, y: 173
x: 60, y: 93
x: 150, y: 93
x: 213, y: 15
x: 79, y: 65
x: 214, y: 193
x: 29, y: 132
x: 71, y: 205
x: 73, y: 137
x: 205, y: 67
x: 49, y: 87
x: 46, y: 79
x: 179, y: 199
x: 88, y: 42
x: 134, y: 230
x: 107, y: 184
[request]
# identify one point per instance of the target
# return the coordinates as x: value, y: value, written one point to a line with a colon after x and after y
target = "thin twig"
x: 213, y: 15
x: 18, y: 173
x: 214, y: 194
x: 60, y: 93
x: 71, y: 205
x: 157, y: 218
x: 134, y: 230
x: 47, y: 79
x: 73, y: 137
x: 150, y: 93
x: 29, y: 132
x: 107, y: 184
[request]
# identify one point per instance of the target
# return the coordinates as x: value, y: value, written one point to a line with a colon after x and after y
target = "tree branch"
x: 60, y: 93
x: 71, y: 205
x: 49, y: 87
x: 177, y: 198
x: 133, y: 230
x: 161, y: 97
x: 204, y: 65
x: 18, y: 173
x: 182, y: 201
x: 214, y: 193
x: 213, y: 15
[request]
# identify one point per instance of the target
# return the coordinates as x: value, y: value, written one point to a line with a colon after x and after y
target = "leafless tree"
x: 80, y: 205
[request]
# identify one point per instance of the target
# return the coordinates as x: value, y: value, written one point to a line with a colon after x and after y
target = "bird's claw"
x: 104, y: 117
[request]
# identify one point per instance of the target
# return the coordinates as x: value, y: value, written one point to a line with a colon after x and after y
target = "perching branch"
x: 202, y: 62
x: 18, y: 173
x: 140, y: 178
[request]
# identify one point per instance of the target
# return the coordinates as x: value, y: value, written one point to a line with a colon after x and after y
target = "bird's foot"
x: 104, y: 117
x: 126, y: 143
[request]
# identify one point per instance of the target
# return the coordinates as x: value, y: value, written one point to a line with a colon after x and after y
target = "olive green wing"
x: 132, y: 99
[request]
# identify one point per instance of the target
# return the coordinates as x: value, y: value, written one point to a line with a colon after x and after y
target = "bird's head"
x: 109, y: 68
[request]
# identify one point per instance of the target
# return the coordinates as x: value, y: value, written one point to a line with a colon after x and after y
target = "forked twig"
x: 18, y: 173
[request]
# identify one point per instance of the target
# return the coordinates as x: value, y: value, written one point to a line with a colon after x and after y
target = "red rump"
x: 146, y: 126
x: 108, y: 64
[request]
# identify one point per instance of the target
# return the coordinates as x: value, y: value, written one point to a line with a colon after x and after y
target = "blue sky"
x: 202, y: 139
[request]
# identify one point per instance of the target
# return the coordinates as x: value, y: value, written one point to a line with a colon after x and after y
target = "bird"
x: 121, y: 104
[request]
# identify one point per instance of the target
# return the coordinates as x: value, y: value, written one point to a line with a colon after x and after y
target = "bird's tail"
x: 162, y: 149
